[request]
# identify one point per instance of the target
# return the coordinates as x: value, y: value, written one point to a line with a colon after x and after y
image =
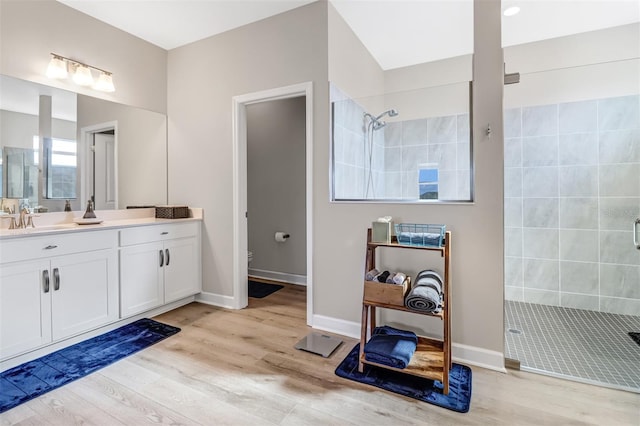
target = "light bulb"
x: 83, y: 76
x: 104, y: 83
x: 57, y: 68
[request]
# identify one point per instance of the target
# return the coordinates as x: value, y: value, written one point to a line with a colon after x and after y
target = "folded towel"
x: 399, y: 278
x: 419, y: 238
x: 382, y: 277
x: 390, y: 278
x: 391, y: 346
x: 369, y: 276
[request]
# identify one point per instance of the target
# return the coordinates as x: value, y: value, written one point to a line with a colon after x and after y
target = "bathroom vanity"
x: 65, y: 282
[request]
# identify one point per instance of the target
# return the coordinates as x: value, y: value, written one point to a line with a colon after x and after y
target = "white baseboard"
x: 279, y: 276
x: 463, y: 354
x: 216, y: 300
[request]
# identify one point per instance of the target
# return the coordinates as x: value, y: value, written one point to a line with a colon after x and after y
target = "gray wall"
x: 31, y: 30
x: 276, y: 193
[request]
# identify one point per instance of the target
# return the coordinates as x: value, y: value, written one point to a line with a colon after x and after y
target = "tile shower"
x: 572, y: 193
x: 572, y: 272
x: 399, y: 150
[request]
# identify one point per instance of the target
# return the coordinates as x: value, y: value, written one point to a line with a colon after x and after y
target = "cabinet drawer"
x: 147, y: 234
x: 28, y: 248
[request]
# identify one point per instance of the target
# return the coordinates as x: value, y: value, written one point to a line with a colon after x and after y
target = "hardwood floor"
x: 240, y: 368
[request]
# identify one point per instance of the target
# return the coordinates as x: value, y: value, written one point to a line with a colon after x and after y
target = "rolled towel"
x: 390, y: 278
x: 369, y: 276
x: 390, y: 346
x: 426, y: 293
x: 399, y: 278
x: 382, y: 277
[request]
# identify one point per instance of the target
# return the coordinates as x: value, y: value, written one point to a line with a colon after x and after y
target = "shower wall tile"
x: 513, y: 242
x: 393, y: 134
x: 442, y: 129
x: 579, y: 301
x: 579, y: 277
x: 447, y: 189
x: 578, y: 181
x: 513, y: 182
x: 410, y: 188
x: 540, y: 182
x: 464, y: 185
x: 377, y: 160
x: 579, y: 213
x: 619, y: 113
x: 514, y: 293
x: 542, y: 297
x: 619, y: 213
x: 463, y: 157
x: 513, y: 212
x: 620, y: 146
x: 579, y: 245
x: 578, y: 117
x: 444, y: 155
x: 541, y: 274
x: 540, y: 243
x: 463, y: 134
x: 540, y: 120
x: 414, y: 132
x: 412, y: 156
x: 354, y: 149
x: 393, y: 185
x: 540, y: 212
x: 393, y: 159
x: 620, y: 180
x: 513, y: 271
x: 513, y: 123
x: 619, y: 305
x: 338, y: 144
x: 620, y: 281
x: 578, y: 149
x: 513, y: 152
x: 617, y: 247
x: 538, y: 151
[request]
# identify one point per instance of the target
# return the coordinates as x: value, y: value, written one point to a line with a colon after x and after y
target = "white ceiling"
x: 397, y: 33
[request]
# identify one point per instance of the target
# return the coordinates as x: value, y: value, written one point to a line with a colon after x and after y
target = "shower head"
x: 391, y: 113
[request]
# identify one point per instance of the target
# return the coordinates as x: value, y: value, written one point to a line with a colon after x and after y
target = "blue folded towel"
x: 391, y: 346
x: 420, y: 238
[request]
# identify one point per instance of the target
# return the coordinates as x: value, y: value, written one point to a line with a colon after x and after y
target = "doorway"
x: 240, y: 222
x: 100, y: 183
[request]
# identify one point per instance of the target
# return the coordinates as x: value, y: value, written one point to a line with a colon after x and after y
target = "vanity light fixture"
x: 81, y: 74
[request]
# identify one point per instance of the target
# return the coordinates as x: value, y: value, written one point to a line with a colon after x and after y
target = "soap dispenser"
x: 67, y: 206
x: 89, y: 214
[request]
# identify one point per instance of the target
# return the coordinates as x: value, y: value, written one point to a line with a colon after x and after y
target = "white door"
x: 82, y: 292
x: 104, y: 178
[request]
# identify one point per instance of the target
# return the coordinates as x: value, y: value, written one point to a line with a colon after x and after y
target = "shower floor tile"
x: 585, y: 345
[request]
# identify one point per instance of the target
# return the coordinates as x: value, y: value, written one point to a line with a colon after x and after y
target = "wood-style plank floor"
x: 240, y: 368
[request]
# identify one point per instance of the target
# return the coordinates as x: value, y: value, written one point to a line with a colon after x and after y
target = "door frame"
x: 239, y: 127
x: 86, y: 137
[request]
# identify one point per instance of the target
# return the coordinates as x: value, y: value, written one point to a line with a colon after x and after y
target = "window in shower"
x: 382, y: 143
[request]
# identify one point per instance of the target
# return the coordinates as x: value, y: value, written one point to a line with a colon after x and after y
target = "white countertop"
x: 63, y: 222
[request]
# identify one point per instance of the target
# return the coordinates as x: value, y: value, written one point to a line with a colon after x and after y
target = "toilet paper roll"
x: 281, y: 237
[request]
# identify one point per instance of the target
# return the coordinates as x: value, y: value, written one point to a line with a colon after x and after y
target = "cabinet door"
x: 140, y: 278
x: 181, y: 278
x: 25, y: 307
x: 84, y: 292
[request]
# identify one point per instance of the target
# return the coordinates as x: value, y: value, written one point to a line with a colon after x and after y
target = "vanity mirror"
x: 77, y: 148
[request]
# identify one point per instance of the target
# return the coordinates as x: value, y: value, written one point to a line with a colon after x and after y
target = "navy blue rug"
x: 37, y: 377
x: 260, y: 290
x: 458, y: 399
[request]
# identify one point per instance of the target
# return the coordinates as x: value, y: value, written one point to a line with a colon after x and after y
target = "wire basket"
x: 419, y: 234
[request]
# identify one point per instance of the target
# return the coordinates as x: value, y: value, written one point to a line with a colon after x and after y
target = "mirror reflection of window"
x: 61, y: 168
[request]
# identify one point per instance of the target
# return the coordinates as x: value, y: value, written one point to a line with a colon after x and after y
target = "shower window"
x: 412, y: 146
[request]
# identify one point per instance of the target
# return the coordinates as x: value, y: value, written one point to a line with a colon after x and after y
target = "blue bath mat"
x: 458, y: 399
x: 37, y: 377
x: 259, y: 290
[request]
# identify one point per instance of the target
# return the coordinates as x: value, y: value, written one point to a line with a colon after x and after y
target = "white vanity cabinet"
x: 159, y: 264
x: 53, y: 287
